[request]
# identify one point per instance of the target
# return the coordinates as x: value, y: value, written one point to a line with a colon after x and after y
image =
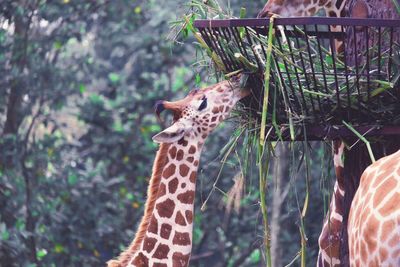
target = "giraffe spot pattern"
x: 180, y: 260
x: 183, y: 170
x: 192, y: 149
x: 182, y: 239
x: 192, y: 177
x: 169, y: 171
x: 153, y: 226
x: 156, y: 264
x: 172, y: 152
x: 173, y: 185
x: 166, y: 208
x: 189, y: 216
x: 165, y: 231
x: 161, y: 252
x: 179, y: 219
x: 187, y: 197
x: 140, y: 260
x: 162, y: 190
x: 179, y: 155
x: 149, y: 243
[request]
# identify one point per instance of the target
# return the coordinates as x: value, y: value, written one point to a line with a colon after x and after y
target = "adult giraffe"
x: 329, y: 240
x: 374, y: 219
x: 164, y: 237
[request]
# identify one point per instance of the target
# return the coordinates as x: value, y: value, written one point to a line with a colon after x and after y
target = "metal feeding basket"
x: 313, y: 81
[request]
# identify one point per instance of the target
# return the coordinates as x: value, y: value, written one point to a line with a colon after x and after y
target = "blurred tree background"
x: 78, y: 83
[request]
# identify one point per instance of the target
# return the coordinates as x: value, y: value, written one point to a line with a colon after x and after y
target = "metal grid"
x: 321, y: 85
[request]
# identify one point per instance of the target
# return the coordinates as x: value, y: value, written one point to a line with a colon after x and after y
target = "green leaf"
x: 41, y: 253
x: 72, y: 178
x: 82, y: 88
x: 57, y: 45
x: 138, y: 10
x: 113, y: 77
x: 255, y: 256
x: 58, y: 248
x: 198, y: 79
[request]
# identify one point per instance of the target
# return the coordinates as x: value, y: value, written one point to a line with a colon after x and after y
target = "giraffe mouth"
x: 161, y: 105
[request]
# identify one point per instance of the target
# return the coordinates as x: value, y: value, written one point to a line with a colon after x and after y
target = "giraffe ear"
x: 172, y: 134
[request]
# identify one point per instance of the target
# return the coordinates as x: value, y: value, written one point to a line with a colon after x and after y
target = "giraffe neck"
x: 167, y: 240
x: 329, y: 239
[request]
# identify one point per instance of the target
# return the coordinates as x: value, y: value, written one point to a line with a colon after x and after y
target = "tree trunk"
x: 281, y: 185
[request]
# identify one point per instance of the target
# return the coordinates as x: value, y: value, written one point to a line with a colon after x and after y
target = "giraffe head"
x: 196, y: 115
x: 302, y: 8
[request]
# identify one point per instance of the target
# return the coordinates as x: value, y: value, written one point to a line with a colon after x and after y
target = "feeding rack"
x: 312, y: 80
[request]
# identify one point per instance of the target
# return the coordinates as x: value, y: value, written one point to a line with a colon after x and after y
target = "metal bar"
x: 346, y: 70
x: 356, y: 67
x: 379, y: 51
x: 252, y: 49
x: 228, y: 58
x: 322, y: 61
x: 367, y: 62
x: 287, y: 72
x: 228, y: 38
x: 296, y: 73
x: 312, y: 66
x: 390, y: 53
x: 333, y: 46
x: 236, y: 34
x: 218, y: 48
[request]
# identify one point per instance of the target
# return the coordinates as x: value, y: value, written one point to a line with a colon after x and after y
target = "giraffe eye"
x: 203, y: 104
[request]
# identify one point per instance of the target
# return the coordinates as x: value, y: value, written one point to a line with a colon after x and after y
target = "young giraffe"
x: 329, y: 240
x: 164, y: 237
x: 374, y: 219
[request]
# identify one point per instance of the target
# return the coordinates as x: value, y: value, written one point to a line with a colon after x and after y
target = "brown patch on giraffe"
x: 183, y: 185
x: 153, y: 226
x: 180, y: 260
x: 189, y: 216
x: 391, y: 205
x: 383, y: 254
x: 162, y: 190
x: 213, y: 119
x: 215, y: 110
x: 149, y: 244
x: 395, y: 240
x: 190, y: 159
x: 182, y: 239
x: 192, y: 177
x: 332, y: 14
x: 192, y: 149
x: 312, y: 10
x: 187, y: 197
x: 382, y: 190
x: 140, y: 260
x: 363, y: 251
x: 183, y: 170
x: 173, y: 185
x: 179, y: 219
x: 166, y: 209
x: 161, y: 252
x: 179, y: 155
x: 323, y: 2
x: 371, y: 233
x: 156, y: 264
x: 172, y: 152
x: 169, y: 171
x: 196, y: 163
x: 183, y: 142
x: 165, y: 231
x: 396, y: 254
